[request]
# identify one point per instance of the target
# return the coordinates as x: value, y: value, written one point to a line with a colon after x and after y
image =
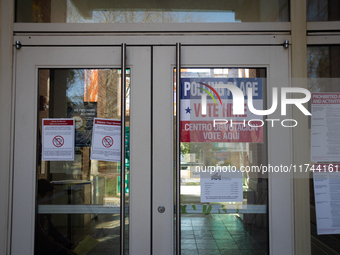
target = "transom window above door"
x: 150, y: 11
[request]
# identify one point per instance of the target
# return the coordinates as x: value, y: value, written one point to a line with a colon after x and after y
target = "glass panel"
x: 150, y: 11
x: 323, y: 73
x: 323, y: 62
x: 323, y: 10
x: 79, y: 200
x: 223, y: 209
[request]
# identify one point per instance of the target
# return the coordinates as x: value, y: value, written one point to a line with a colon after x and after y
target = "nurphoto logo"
x: 238, y: 102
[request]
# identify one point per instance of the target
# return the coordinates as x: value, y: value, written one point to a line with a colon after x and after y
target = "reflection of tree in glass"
x: 317, y: 10
x: 187, y: 148
x: 203, y: 151
x: 318, y: 66
x: 126, y: 16
x: 108, y: 91
x: 318, y: 62
x: 75, y: 86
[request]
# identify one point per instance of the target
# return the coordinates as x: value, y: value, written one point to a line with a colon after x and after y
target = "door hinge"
x: 286, y: 44
x: 18, y: 45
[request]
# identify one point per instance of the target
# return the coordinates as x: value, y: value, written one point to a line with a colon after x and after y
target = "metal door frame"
x: 280, y: 188
x: 27, y: 62
x: 156, y: 43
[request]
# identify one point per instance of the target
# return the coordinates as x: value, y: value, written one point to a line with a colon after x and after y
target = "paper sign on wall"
x: 106, y: 140
x: 327, y: 201
x: 58, y: 139
x: 325, y: 132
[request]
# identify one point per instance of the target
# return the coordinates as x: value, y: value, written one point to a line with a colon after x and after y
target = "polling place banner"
x: 199, y: 126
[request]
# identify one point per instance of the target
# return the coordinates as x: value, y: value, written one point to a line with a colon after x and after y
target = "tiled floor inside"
x: 213, y: 234
x: 221, y: 234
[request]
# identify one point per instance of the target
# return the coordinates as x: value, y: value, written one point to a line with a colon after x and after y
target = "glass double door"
x: 68, y: 153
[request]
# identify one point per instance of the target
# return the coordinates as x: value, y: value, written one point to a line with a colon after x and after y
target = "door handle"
x: 178, y: 148
x: 122, y: 151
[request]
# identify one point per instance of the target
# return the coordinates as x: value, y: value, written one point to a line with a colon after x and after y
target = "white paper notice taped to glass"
x: 327, y: 200
x: 106, y: 140
x: 58, y: 139
x: 325, y: 132
x: 221, y: 186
